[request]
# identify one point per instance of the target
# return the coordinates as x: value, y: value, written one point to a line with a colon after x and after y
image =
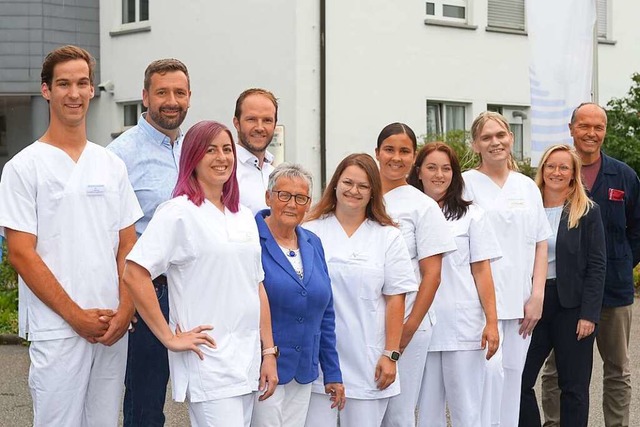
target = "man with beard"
x: 255, y: 120
x: 151, y: 152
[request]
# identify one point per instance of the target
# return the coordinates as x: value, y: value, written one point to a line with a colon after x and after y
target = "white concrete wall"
x: 228, y: 47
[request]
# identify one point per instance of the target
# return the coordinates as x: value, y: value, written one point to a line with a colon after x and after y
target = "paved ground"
x: 15, y: 401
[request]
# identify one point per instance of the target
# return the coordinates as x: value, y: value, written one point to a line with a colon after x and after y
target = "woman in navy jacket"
x: 573, y: 292
x: 299, y: 290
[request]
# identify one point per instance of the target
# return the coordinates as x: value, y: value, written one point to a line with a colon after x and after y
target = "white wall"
x: 228, y: 47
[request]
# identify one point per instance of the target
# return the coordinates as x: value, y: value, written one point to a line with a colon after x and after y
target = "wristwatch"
x: 392, y: 354
x: 271, y: 350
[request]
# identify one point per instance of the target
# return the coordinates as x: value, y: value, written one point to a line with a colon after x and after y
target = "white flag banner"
x: 560, y: 72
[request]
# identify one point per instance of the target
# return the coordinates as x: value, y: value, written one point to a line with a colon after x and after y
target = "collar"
x: 246, y: 156
x: 265, y: 233
x: 155, y: 135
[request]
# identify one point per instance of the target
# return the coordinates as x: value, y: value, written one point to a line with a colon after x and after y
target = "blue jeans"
x: 147, y: 370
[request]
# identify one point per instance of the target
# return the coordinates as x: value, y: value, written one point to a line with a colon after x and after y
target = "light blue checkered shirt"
x: 152, y: 164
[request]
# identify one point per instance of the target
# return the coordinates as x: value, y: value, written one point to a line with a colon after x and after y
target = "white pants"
x: 287, y: 407
x: 454, y: 378
x: 75, y: 383
x: 503, y: 381
x: 229, y: 412
x: 356, y: 412
x: 411, y: 370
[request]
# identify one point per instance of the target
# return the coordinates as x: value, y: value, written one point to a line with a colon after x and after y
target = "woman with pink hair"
x: 208, y: 246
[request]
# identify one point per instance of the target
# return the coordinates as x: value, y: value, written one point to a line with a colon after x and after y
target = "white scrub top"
x: 213, y: 266
x: 425, y: 233
x: 363, y: 268
x: 518, y: 218
x: 460, y: 315
x: 76, y: 210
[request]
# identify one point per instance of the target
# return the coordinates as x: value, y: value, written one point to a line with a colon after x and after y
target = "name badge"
x: 517, y: 204
x: 359, y: 256
x: 95, y: 190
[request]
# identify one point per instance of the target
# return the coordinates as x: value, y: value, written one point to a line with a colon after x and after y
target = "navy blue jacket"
x: 581, y: 263
x: 621, y: 220
x: 302, y: 315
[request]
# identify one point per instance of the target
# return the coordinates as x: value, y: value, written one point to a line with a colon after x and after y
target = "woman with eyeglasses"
x: 371, y: 271
x: 428, y: 238
x: 514, y: 208
x: 573, y: 291
x: 208, y: 245
x: 299, y: 289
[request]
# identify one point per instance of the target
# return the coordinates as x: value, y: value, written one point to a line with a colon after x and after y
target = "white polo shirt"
x: 363, y: 268
x: 425, y: 233
x: 76, y: 210
x: 253, y: 179
x: 213, y: 265
x: 519, y: 220
x: 461, y: 318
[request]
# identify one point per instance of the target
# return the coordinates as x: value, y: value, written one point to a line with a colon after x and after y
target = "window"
x: 131, y: 113
x: 135, y: 11
x: 518, y: 119
x: 445, y: 117
x: 601, y: 11
x: 506, y: 14
x: 447, y: 10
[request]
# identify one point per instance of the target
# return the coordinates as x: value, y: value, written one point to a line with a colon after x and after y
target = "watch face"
x: 395, y: 356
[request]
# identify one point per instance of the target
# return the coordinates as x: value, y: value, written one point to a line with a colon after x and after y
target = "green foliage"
x: 623, y: 126
x: 8, y: 296
x: 460, y: 141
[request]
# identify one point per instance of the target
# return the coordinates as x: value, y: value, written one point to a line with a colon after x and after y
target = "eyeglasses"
x: 285, y: 196
x: 550, y: 167
x: 362, y: 188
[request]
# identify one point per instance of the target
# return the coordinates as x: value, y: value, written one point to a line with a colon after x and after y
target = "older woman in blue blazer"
x: 573, y: 292
x: 300, y: 297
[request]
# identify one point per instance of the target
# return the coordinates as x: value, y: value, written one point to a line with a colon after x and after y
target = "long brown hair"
x: 375, y: 210
x: 453, y: 205
x: 578, y: 203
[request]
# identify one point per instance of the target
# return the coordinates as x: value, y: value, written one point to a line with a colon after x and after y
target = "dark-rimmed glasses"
x: 285, y: 196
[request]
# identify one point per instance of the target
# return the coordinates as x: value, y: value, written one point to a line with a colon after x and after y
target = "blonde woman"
x: 514, y: 208
x: 573, y: 291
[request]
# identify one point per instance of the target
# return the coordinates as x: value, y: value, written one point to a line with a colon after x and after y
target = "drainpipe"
x: 323, y: 96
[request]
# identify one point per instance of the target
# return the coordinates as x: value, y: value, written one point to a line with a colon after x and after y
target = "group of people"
x: 409, y: 287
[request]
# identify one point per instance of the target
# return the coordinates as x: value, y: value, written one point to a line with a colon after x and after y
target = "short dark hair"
x: 65, y: 54
x: 254, y: 91
x: 163, y: 66
x: 575, y: 111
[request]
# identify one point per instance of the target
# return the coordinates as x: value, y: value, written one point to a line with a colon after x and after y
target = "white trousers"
x: 287, y: 407
x: 503, y: 380
x: 411, y: 369
x: 356, y: 412
x: 229, y: 412
x: 75, y: 383
x: 453, y: 378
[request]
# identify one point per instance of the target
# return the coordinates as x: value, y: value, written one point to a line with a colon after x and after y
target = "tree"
x: 623, y: 126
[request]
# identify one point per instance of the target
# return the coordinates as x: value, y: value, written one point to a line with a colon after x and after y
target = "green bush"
x: 8, y: 296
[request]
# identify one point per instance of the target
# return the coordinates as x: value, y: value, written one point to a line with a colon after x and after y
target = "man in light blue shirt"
x: 151, y: 152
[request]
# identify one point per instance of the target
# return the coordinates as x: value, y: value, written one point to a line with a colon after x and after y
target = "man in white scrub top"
x: 255, y: 120
x: 67, y: 211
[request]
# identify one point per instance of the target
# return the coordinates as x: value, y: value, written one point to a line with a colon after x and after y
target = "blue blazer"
x: 302, y: 315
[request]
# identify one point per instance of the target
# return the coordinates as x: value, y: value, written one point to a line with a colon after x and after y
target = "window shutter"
x: 506, y: 14
x: 601, y: 8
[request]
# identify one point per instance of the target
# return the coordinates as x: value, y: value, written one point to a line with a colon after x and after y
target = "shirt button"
x: 300, y: 319
x: 303, y: 293
x: 298, y: 348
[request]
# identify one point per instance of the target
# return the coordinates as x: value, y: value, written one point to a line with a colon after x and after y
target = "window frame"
x: 137, y: 11
x: 441, y: 119
x: 439, y: 10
